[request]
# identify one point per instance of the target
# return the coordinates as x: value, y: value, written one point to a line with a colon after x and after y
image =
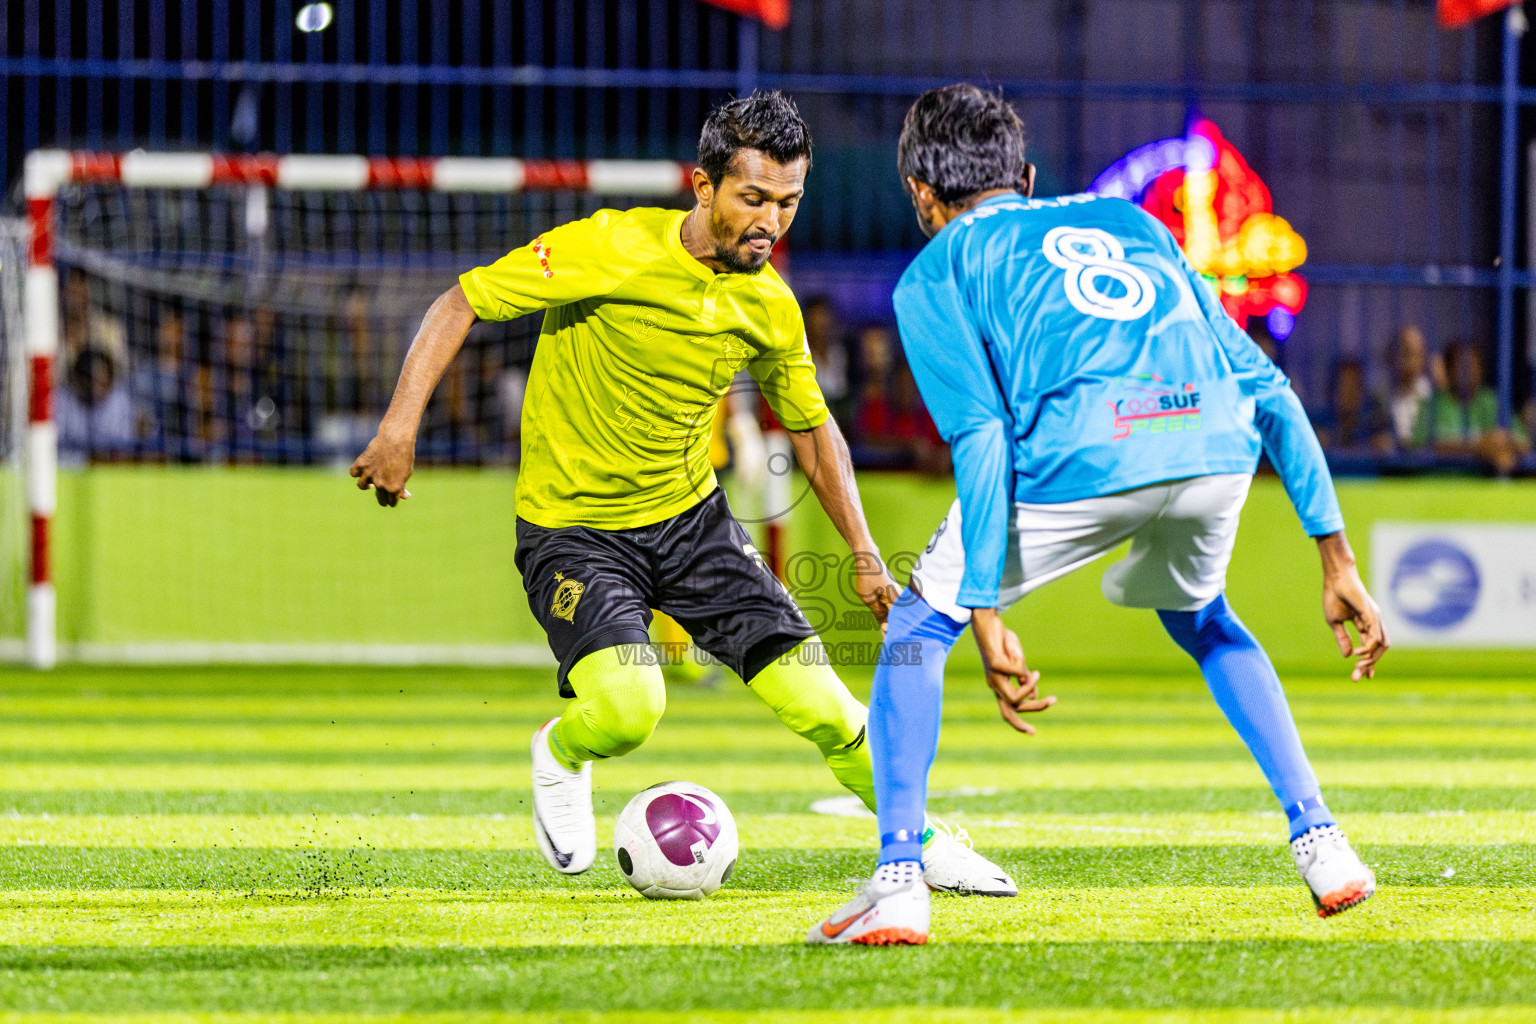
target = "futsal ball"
x: 675, y: 841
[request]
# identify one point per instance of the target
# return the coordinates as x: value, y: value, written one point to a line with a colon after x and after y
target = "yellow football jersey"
x: 639, y: 343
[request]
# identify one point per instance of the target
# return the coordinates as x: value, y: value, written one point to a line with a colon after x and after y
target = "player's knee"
x: 631, y: 715
x: 1210, y: 628
x: 1181, y: 627
x: 623, y: 698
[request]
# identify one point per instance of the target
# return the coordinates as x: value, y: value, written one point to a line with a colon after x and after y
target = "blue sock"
x: 1248, y: 691
x: 904, y: 709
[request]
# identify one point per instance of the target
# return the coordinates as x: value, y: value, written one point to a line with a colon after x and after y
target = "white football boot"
x: 562, y: 808
x: 1335, y: 873
x: 951, y: 864
x: 889, y: 910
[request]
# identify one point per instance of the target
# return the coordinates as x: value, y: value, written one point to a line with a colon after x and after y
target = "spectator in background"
x: 829, y: 353
x: 1411, y: 385
x: 914, y: 428
x: 254, y: 376
x: 1439, y: 380
x: 1355, y: 420
x: 1462, y: 420
x: 76, y: 310
x: 872, y: 413
x: 892, y: 425
x: 93, y: 410
x: 237, y: 403
x: 89, y: 324
x: 270, y: 378
x: 223, y: 392
x: 160, y: 386
x: 369, y: 394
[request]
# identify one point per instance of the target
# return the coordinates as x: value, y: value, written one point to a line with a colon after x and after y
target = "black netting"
x: 253, y: 325
x: 14, y: 521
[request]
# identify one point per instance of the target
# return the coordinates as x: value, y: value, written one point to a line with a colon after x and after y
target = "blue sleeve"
x: 954, y: 376
x: 1292, y: 447
x: 1289, y: 440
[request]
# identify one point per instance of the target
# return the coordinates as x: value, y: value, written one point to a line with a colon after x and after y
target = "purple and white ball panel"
x: 684, y: 826
x: 676, y: 840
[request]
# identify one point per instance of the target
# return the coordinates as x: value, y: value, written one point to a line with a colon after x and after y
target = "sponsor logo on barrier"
x: 1435, y: 584
x: 1456, y: 584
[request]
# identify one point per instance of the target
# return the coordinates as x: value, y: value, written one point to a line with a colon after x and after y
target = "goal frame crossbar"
x: 47, y: 171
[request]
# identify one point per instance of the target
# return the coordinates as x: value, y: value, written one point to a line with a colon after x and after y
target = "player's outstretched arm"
x: 1008, y: 675
x: 1345, y: 600
x: 823, y: 455
x: 386, y: 463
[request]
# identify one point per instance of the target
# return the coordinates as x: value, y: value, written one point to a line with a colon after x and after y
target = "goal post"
x: 43, y: 174
x: 249, y: 312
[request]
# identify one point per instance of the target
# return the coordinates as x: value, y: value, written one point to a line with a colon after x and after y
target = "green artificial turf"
x: 332, y: 845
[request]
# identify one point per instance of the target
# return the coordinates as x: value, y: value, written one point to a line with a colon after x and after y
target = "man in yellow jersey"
x: 736, y: 445
x: 650, y: 314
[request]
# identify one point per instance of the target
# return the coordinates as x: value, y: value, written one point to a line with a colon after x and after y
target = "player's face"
x: 752, y: 209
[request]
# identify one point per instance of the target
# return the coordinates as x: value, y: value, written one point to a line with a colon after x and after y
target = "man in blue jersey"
x: 1093, y: 391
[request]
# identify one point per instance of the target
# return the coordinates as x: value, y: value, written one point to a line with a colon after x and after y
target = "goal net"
x: 229, y: 332
x: 15, y: 556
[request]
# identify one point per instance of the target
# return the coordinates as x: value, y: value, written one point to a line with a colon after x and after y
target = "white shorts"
x: 1181, y: 537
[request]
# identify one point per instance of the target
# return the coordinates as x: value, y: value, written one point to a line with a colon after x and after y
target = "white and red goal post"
x: 48, y: 172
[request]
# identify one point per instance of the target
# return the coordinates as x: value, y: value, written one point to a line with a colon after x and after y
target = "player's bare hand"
x: 874, y: 586
x: 385, y: 466
x: 1347, y: 603
x: 1016, y: 686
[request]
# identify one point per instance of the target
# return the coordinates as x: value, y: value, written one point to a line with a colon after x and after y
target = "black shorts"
x: 591, y: 589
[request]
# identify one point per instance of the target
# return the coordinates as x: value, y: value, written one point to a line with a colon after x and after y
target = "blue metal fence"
x: 1391, y: 146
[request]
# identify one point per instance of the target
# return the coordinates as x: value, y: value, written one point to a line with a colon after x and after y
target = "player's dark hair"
x: 960, y: 141
x: 765, y: 121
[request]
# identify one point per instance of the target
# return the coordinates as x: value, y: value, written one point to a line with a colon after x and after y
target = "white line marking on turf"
x: 841, y: 807
x: 849, y: 806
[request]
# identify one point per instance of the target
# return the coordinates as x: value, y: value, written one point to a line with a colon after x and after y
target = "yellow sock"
x: 814, y: 703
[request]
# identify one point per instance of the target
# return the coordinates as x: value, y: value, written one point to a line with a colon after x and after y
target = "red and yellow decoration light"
x: 773, y: 13
x: 1457, y: 13
x: 1223, y: 217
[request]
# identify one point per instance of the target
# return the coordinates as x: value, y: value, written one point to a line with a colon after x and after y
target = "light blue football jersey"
x: 1066, y: 349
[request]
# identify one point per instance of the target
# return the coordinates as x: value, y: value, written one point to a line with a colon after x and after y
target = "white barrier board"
x: 1456, y: 584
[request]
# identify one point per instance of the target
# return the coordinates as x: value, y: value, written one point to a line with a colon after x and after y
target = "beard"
x: 735, y: 263
x: 737, y: 258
